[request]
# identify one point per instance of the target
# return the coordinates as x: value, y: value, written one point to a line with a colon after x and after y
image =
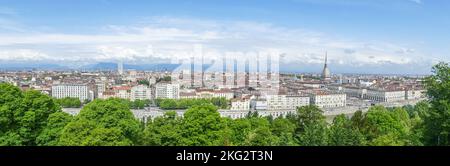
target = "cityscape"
x: 276, y: 95
x: 197, y: 73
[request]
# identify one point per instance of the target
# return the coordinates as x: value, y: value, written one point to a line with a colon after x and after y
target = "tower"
x: 120, y: 68
x: 224, y: 71
x: 203, y: 72
x: 247, y: 73
x: 192, y: 72
x: 326, y: 72
x: 235, y: 71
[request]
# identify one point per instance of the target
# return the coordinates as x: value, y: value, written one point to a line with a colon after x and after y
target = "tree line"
x: 171, y: 104
x: 34, y: 119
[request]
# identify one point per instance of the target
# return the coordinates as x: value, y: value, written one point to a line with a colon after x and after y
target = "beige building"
x: 167, y: 91
x: 141, y: 92
x: 385, y: 95
x: 207, y: 93
x: 326, y: 99
x: 284, y: 102
x: 240, y: 104
x: 412, y: 94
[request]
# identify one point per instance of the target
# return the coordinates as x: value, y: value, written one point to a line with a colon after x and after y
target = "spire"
x: 326, y: 72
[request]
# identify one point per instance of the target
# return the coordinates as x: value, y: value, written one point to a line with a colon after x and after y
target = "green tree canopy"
x: 102, y: 122
x: 165, y: 130
x: 437, y: 123
x: 23, y: 115
x: 202, y: 126
x: 342, y: 133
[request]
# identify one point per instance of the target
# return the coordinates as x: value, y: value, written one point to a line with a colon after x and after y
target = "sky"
x: 359, y: 36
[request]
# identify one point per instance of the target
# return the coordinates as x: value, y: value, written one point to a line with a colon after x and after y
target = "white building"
x: 355, y: 92
x: 281, y: 102
x: 167, y: 91
x: 120, y: 67
x: 123, y: 92
x: 259, y: 104
x: 324, y: 99
x: 385, y: 95
x: 101, y: 87
x: 80, y: 91
x: 140, y: 92
x: 414, y: 94
x: 240, y: 105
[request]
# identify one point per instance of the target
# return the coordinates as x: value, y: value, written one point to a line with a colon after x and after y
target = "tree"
x: 358, y: 119
x: 260, y: 133
x: 52, y: 131
x: 188, y: 103
x: 315, y: 134
x: 69, y: 102
x: 144, y: 82
x: 102, y: 122
x: 307, y: 115
x: 437, y: 123
x: 201, y: 126
x: 284, y: 130
x: 164, y: 130
x: 311, y: 127
x: 241, y: 128
x: 380, y: 124
x: 342, y: 133
x: 23, y: 115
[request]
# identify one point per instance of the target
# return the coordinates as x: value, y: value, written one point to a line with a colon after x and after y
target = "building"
x: 326, y: 74
x: 101, y: 87
x: 120, y: 68
x: 167, y: 91
x: 141, y: 92
x: 282, y: 102
x: 123, y: 92
x: 188, y: 95
x: 381, y: 95
x: 207, y: 93
x: 412, y: 94
x: 240, y: 104
x: 355, y: 92
x: 259, y: 104
x: 80, y: 91
x: 325, y: 99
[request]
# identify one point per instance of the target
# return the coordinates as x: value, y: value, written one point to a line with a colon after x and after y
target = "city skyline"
x: 378, y: 37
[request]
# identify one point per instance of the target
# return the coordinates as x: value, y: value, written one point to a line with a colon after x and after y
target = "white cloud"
x: 23, y: 55
x: 175, y: 38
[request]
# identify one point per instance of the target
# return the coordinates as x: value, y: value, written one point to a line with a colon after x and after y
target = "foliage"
x: 136, y: 104
x: 437, y: 122
x: 23, y: 115
x: 163, y: 130
x: 52, y: 132
x: 168, y: 104
x: 144, y: 82
x: 69, y: 102
x: 164, y: 79
x: 102, y: 122
x: 342, y: 133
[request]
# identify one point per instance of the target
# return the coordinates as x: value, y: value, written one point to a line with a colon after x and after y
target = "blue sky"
x: 370, y: 36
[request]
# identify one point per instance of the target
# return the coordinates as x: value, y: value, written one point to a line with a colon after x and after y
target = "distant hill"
x: 113, y: 66
x: 31, y: 66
